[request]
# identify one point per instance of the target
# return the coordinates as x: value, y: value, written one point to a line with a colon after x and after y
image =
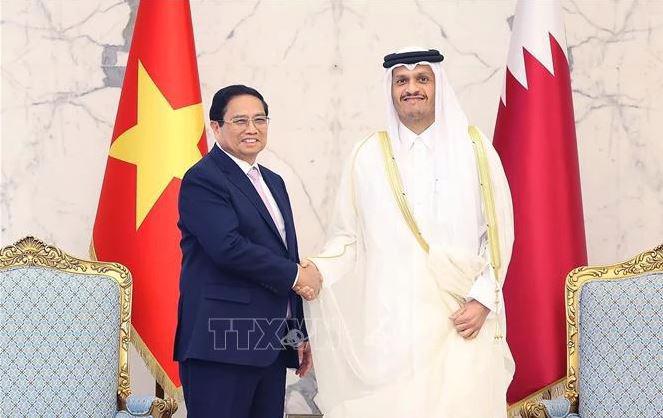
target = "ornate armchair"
x: 65, y: 336
x: 615, y: 342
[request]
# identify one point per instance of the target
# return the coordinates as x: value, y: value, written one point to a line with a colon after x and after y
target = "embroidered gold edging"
x: 486, y: 193
x: 397, y: 188
x: 488, y: 198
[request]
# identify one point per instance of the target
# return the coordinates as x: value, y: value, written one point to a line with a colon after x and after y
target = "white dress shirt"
x: 417, y: 166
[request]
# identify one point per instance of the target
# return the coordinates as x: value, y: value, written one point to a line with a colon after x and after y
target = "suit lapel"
x: 242, y: 182
x: 282, y: 201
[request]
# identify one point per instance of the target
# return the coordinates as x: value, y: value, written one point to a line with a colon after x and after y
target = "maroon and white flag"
x: 536, y: 140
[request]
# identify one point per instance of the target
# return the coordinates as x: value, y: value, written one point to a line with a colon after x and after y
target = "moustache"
x: 413, y: 96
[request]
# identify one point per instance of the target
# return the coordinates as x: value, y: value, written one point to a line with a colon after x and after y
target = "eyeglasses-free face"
x: 413, y: 94
x: 243, y: 130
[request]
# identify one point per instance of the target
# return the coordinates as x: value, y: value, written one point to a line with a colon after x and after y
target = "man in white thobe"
x: 410, y: 320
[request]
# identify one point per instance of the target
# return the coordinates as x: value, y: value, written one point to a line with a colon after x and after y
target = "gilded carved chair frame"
x: 30, y: 251
x: 647, y: 262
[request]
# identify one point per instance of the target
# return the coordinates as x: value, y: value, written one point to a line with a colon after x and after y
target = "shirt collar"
x: 243, y: 165
x: 408, y: 138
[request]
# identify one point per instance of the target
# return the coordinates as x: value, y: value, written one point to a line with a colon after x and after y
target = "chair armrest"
x: 544, y: 408
x: 144, y: 406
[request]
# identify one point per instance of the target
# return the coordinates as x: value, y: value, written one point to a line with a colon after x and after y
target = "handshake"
x: 309, y: 282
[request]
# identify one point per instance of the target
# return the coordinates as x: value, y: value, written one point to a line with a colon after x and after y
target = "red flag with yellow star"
x: 159, y: 133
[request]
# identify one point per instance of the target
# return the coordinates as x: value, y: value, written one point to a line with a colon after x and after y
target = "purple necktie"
x: 254, y: 175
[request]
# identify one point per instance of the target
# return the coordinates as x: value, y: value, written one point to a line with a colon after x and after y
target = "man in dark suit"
x: 240, y: 320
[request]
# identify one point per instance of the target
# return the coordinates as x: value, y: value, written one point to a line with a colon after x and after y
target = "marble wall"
x: 318, y: 64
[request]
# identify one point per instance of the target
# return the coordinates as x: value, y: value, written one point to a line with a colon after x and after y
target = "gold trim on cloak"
x: 394, y: 175
x: 485, y: 182
x: 487, y: 198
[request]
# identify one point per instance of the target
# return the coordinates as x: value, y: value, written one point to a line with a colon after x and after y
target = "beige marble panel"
x: 319, y: 65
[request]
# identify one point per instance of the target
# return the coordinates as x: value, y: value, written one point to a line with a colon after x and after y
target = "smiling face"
x: 243, y: 142
x: 413, y: 94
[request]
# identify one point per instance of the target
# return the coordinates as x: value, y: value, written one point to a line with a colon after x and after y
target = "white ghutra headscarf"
x: 455, y: 221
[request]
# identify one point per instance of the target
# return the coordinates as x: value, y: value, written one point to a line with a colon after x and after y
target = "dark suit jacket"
x: 237, y: 274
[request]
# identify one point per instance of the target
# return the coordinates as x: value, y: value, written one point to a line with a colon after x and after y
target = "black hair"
x: 222, y: 97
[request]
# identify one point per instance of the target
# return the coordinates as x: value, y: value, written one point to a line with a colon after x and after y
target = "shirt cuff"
x: 296, y: 278
x: 483, y: 291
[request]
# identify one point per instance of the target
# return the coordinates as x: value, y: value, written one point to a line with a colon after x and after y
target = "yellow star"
x: 162, y: 145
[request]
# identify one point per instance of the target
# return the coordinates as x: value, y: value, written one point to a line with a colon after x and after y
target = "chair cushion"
x: 621, y: 342
x: 60, y: 342
x: 125, y: 414
x: 557, y: 408
x: 140, y: 405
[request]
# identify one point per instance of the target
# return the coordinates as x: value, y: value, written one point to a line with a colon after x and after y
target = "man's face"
x: 241, y: 134
x: 413, y: 94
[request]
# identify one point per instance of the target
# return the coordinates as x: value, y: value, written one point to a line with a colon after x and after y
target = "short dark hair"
x: 222, y: 97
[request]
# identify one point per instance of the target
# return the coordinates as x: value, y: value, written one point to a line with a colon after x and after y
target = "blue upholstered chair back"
x: 64, y: 337
x: 60, y: 343
x: 64, y: 334
x: 621, y: 347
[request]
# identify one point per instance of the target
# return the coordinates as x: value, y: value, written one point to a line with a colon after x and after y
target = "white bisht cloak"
x: 383, y: 344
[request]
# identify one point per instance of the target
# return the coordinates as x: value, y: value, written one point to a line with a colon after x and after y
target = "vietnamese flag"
x: 159, y: 133
x: 536, y: 140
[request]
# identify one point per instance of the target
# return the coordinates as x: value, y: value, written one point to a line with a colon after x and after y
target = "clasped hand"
x: 469, y: 319
x: 309, y: 282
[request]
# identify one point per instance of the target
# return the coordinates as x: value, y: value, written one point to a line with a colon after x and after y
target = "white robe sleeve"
x: 339, y: 255
x: 483, y: 289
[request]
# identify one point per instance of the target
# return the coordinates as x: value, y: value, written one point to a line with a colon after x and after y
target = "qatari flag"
x: 536, y: 139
